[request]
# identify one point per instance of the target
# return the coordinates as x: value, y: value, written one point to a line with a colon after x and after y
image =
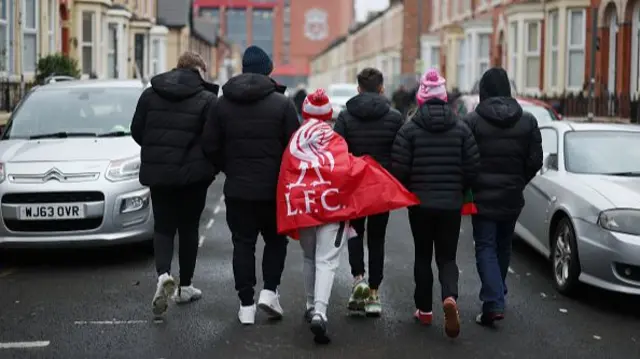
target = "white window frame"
x: 634, y: 89
x: 482, y: 60
x: 88, y: 44
x: 53, y: 21
x: 112, y: 51
x: 27, y: 31
x: 553, y: 24
x: 461, y: 47
x: 528, y: 54
x: 4, y: 21
x: 444, y: 13
x: 570, y: 48
x: 512, y: 47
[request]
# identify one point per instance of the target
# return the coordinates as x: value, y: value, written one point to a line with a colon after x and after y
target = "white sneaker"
x: 187, y: 294
x: 247, y: 315
x: 165, y: 288
x: 269, y: 303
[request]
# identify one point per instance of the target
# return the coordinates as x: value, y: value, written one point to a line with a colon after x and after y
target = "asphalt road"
x: 94, y: 304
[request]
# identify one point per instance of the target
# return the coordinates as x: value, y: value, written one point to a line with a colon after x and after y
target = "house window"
x: 30, y: 35
x: 88, y: 26
x: 461, y: 63
x: 5, y: 43
x: 155, y: 56
x: 576, y: 48
x: 434, y: 57
x: 532, y: 54
x: 484, y: 49
x: 444, y: 7
x: 552, y: 66
x: 263, y: 30
x: 635, y: 50
x: 236, y: 22
x: 112, y: 50
x: 513, y: 50
x: 52, y: 9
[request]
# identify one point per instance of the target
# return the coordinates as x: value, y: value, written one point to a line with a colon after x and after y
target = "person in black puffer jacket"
x: 369, y: 125
x: 510, y: 147
x: 246, y: 138
x: 167, y: 124
x: 436, y: 157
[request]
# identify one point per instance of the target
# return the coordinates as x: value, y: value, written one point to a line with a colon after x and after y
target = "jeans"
x: 440, y: 229
x: 246, y: 220
x: 493, y: 253
x: 376, y: 227
x: 177, y: 209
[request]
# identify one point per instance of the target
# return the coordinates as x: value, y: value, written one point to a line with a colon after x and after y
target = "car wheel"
x: 565, y: 263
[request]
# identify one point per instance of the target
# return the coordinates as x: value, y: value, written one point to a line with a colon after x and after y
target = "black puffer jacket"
x: 369, y: 125
x: 510, y: 148
x: 248, y: 134
x: 435, y: 156
x: 168, y: 124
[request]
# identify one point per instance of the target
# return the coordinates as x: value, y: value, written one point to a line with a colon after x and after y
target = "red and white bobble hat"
x: 317, y: 106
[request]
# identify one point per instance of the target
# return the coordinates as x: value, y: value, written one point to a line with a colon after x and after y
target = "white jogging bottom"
x: 322, y: 246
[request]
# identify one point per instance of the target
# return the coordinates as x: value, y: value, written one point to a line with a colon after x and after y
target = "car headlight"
x: 123, y: 169
x: 134, y: 203
x: 3, y: 174
x: 621, y: 220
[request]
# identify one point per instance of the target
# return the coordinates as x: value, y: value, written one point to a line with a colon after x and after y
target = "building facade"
x: 290, y: 31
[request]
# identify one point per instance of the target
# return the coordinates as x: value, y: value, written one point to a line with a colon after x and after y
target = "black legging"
x: 177, y: 209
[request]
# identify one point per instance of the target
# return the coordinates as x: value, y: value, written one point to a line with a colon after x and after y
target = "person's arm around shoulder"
x: 535, y: 158
x: 470, y: 157
x: 291, y: 122
x: 139, y: 121
x: 340, y: 127
x: 213, y: 134
x: 402, y: 155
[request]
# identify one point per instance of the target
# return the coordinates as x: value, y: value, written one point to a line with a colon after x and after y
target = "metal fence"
x: 11, y: 92
x: 606, y: 105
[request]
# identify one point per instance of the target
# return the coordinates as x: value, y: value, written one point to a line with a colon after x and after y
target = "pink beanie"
x: 432, y: 85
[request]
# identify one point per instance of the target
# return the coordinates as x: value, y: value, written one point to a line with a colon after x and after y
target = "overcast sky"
x: 364, y: 6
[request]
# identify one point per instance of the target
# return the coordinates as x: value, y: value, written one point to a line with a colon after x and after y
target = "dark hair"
x: 370, y: 80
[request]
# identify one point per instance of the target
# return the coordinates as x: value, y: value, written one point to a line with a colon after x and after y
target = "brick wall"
x: 411, y: 34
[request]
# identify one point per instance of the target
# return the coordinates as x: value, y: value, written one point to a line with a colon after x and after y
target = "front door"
x: 139, y: 55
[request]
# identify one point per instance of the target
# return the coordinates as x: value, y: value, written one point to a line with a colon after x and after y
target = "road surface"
x: 94, y: 304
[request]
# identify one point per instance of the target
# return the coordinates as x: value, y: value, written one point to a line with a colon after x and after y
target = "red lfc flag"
x: 321, y: 182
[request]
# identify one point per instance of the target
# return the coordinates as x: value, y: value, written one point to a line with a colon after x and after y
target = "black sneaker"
x: 308, y: 314
x: 488, y: 319
x: 319, y: 329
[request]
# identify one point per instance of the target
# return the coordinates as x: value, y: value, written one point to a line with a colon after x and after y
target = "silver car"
x: 583, y: 210
x: 69, y: 167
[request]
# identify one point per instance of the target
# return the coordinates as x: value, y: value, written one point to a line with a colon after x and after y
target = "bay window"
x: 513, y: 50
x: 461, y: 71
x: 53, y: 21
x: 30, y: 20
x: 552, y: 64
x: 635, y: 50
x: 88, y: 41
x: 112, y: 50
x: 484, y: 49
x: 5, y: 38
x: 576, y: 36
x: 532, y: 55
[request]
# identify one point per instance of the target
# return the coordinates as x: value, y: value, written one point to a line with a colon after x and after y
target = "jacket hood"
x: 368, y: 106
x: 435, y: 116
x: 247, y: 88
x: 494, y: 83
x: 500, y: 111
x: 179, y: 84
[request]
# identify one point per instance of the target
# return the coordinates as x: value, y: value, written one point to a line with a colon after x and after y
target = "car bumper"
x: 608, y: 260
x: 105, y: 220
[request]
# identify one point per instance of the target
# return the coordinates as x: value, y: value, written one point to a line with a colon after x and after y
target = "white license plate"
x: 52, y: 211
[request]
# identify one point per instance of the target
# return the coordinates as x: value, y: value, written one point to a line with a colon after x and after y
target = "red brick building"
x: 291, y: 31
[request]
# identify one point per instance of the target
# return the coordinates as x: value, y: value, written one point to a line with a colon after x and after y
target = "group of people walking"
x: 188, y: 135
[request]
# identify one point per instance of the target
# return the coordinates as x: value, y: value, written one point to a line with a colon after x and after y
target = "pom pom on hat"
x: 316, y: 105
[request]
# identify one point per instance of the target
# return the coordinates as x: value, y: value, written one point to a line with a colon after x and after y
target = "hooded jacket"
x: 435, y: 156
x: 168, y: 123
x: 510, y: 148
x: 248, y: 134
x: 369, y: 125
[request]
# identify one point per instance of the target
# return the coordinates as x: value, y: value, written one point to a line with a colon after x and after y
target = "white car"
x: 339, y: 94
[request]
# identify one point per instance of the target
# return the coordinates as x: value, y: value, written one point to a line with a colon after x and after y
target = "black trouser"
x: 177, y: 209
x: 376, y: 227
x: 247, y: 219
x: 440, y: 229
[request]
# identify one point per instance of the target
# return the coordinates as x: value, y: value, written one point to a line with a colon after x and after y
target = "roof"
x: 88, y: 84
x: 174, y: 13
x: 205, y: 30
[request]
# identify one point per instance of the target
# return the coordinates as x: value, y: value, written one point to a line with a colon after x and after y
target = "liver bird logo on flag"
x: 321, y: 182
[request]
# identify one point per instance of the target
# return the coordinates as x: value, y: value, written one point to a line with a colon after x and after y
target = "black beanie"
x: 256, y: 61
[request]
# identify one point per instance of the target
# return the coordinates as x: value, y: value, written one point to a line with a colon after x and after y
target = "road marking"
x: 7, y: 272
x: 201, y: 241
x: 108, y: 322
x: 25, y: 345
x: 210, y: 223
x: 219, y: 205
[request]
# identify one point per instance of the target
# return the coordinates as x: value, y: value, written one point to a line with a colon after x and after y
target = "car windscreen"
x: 602, y: 152
x: 74, y: 111
x: 542, y: 114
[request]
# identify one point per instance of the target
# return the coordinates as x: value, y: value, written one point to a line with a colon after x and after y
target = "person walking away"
x: 510, y: 147
x: 436, y: 157
x: 298, y: 99
x: 369, y: 126
x: 401, y: 99
x: 246, y: 139
x: 337, y: 189
x: 167, y: 124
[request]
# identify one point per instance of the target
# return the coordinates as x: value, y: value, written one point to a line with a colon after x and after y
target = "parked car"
x: 543, y: 112
x: 583, y: 209
x: 339, y: 94
x: 69, y: 167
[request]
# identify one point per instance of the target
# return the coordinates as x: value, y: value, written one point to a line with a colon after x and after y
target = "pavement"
x: 95, y: 303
